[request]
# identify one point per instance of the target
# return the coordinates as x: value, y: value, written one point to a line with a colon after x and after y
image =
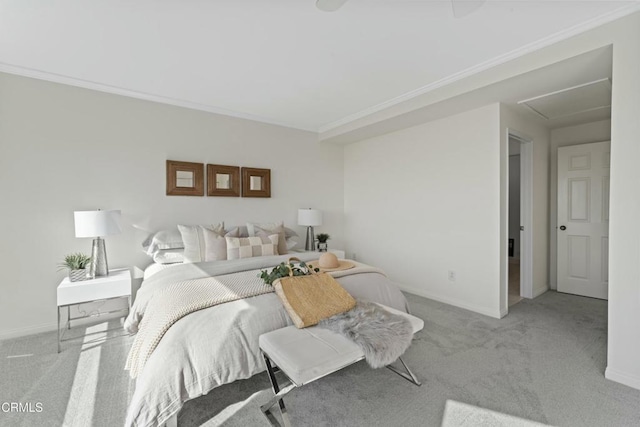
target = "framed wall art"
x: 256, y: 182
x: 223, y: 181
x: 185, y: 178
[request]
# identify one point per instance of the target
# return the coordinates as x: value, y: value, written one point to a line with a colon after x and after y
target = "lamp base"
x: 310, y: 243
x: 99, y: 265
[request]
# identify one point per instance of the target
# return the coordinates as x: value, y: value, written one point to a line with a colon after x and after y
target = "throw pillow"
x: 279, y: 230
x: 193, y: 238
x: 249, y: 247
x: 215, y: 244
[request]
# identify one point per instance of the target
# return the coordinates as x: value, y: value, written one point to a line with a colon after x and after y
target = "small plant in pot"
x: 322, y: 241
x: 282, y: 270
x: 77, y: 265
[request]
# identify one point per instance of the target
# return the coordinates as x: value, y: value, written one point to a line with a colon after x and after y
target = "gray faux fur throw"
x: 382, y: 336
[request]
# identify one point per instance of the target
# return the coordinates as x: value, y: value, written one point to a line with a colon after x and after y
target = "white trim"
x: 499, y: 60
x: 526, y: 219
x: 87, y: 84
x: 622, y: 378
x: 526, y: 213
x: 28, y: 330
x: 496, y: 314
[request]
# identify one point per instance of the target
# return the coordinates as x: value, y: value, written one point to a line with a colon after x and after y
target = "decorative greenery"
x: 323, y: 237
x: 281, y: 270
x: 77, y: 261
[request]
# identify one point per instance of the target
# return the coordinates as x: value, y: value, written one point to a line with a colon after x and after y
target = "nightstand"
x: 116, y: 285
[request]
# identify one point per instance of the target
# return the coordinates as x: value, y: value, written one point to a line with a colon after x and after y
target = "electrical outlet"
x: 354, y: 256
x: 452, y: 276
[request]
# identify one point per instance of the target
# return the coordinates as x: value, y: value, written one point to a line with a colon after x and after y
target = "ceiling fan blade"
x: 462, y: 8
x: 329, y: 5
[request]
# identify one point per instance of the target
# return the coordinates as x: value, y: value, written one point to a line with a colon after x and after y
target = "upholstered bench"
x: 305, y: 355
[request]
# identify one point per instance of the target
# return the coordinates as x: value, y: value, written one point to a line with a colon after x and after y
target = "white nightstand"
x: 116, y: 285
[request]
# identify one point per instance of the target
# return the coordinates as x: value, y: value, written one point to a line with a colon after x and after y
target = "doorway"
x: 515, y: 291
x: 520, y: 218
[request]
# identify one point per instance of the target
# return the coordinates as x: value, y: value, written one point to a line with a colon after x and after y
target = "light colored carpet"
x: 542, y: 363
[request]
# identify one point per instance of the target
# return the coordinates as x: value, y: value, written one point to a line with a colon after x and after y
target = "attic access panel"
x: 590, y: 96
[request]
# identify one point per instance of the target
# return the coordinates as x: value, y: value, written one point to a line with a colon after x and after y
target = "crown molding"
x: 115, y: 90
x: 499, y: 60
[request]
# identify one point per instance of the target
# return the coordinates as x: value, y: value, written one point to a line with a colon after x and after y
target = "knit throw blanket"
x: 180, y: 299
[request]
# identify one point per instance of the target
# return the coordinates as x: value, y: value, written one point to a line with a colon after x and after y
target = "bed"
x: 219, y: 344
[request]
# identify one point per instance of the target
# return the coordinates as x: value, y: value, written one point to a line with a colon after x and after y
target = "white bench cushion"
x: 311, y: 353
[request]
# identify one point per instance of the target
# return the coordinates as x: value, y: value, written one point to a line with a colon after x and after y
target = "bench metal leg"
x: 277, y: 398
x: 408, y: 375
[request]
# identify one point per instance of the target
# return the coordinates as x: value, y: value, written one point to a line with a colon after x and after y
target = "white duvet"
x: 219, y: 345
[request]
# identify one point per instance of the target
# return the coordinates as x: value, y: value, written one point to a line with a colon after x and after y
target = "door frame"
x: 526, y: 216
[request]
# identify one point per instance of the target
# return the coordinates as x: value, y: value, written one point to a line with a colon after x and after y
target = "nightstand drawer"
x: 116, y: 284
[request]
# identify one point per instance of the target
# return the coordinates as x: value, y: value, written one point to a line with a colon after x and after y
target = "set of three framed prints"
x: 187, y: 179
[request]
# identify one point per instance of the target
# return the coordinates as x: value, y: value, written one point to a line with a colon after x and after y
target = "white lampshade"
x: 309, y: 217
x: 97, y: 223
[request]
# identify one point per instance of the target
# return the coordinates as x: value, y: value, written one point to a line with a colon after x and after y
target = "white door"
x: 583, y: 219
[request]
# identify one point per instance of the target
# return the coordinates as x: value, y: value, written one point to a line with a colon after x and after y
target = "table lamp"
x: 97, y: 224
x: 309, y: 218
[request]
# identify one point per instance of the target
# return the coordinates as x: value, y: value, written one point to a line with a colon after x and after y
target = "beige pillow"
x: 249, y: 247
x: 193, y: 238
x: 215, y: 244
x: 271, y: 228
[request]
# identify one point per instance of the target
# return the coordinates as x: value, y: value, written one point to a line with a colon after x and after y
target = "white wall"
x: 523, y: 124
x: 425, y: 200
x: 561, y: 137
x: 624, y: 209
x: 64, y: 148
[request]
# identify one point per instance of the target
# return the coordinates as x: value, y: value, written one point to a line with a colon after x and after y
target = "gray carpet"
x: 543, y: 363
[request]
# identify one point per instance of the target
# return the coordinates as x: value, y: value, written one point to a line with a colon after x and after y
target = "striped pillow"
x: 249, y: 247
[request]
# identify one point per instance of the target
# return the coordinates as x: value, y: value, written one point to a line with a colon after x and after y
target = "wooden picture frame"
x: 223, y: 181
x: 185, y: 178
x: 256, y: 182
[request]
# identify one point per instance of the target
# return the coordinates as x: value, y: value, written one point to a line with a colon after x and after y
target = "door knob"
x: 562, y: 227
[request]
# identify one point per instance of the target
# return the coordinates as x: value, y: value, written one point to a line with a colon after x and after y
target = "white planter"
x: 77, y: 275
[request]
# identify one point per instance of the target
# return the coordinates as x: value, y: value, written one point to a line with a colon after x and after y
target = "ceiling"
x: 276, y: 61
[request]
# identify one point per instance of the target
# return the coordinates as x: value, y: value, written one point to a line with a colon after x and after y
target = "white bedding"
x: 219, y: 345
x: 155, y: 267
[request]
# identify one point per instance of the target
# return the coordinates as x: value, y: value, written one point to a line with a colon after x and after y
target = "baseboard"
x: 476, y: 309
x: 622, y: 378
x: 27, y: 330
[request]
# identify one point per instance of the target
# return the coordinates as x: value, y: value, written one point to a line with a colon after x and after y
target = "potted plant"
x: 282, y: 270
x: 322, y: 241
x: 77, y: 265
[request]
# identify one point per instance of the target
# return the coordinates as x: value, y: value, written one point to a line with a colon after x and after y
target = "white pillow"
x: 163, y: 239
x: 168, y: 256
x: 193, y: 238
x: 249, y: 247
x: 215, y: 244
x: 251, y: 226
